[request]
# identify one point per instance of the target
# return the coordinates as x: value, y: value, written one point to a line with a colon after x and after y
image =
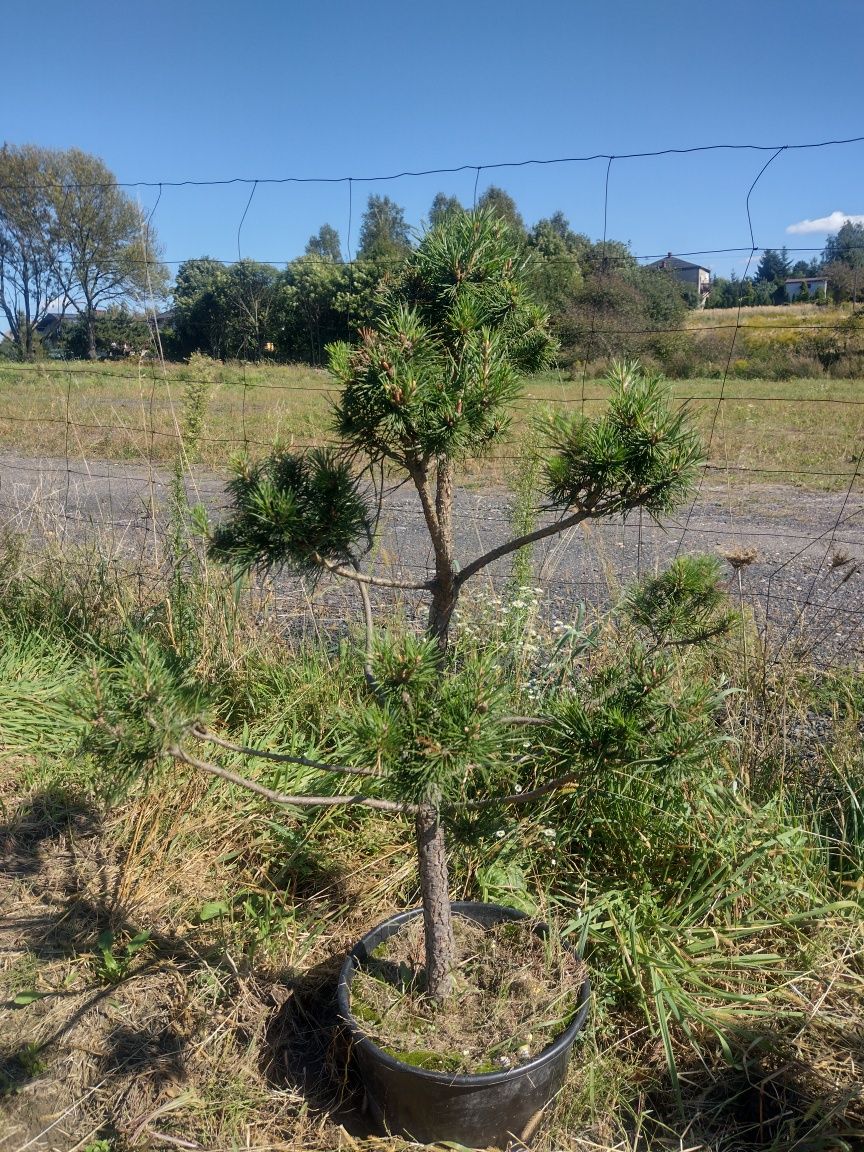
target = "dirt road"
x: 806, y: 572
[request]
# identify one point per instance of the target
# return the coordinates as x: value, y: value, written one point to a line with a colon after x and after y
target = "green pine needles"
x: 640, y: 453
x: 429, y: 383
x: 295, y: 511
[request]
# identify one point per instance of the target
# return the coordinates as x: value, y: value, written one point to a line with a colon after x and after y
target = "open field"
x: 804, y: 432
x: 771, y: 317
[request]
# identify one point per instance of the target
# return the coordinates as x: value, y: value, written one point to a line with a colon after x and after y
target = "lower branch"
x: 280, y: 797
x: 278, y: 757
x: 520, y: 542
x: 375, y: 581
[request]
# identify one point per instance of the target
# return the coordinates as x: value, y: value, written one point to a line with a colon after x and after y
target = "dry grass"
x: 218, y: 1035
x: 193, y: 1037
x: 768, y: 317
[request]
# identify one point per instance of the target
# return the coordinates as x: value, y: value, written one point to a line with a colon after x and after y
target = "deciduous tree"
x: 502, y: 204
x: 104, y: 246
x: 324, y: 245
x: 29, y: 285
x: 384, y: 234
x: 441, y: 208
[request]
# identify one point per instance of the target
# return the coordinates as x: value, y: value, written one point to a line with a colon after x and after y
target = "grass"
x: 724, y: 937
x: 771, y: 317
x: 808, y: 432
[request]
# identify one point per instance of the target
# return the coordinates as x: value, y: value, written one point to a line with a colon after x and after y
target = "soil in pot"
x: 515, y: 990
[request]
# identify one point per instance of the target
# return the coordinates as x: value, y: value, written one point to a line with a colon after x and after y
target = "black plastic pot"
x: 488, y: 1109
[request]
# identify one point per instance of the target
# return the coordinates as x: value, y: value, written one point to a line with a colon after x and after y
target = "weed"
x: 112, y: 964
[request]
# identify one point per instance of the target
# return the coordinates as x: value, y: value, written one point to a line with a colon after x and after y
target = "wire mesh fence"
x: 89, y: 453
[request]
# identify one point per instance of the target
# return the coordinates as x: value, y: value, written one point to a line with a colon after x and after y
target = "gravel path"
x: 808, y: 569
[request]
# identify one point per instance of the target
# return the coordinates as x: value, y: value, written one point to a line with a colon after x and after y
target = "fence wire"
x: 92, y: 464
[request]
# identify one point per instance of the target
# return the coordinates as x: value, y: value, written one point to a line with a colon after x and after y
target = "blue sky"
x: 193, y: 91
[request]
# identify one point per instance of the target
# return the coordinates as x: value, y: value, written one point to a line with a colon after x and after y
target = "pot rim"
x: 562, y: 1041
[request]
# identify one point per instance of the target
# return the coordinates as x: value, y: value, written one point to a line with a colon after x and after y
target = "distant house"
x: 49, y: 328
x: 816, y: 286
x: 693, y: 274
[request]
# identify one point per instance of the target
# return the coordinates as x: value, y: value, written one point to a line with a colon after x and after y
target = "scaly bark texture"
x: 439, y: 521
x: 435, y: 888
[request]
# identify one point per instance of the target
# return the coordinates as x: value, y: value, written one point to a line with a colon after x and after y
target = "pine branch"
x: 280, y: 797
x: 279, y: 757
x: 520, y: 542
x: 362, y: 578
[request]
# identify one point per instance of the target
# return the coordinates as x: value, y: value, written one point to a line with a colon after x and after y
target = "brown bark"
x: 439, y: 521
x: 91, y: 336
x: 435, y: 889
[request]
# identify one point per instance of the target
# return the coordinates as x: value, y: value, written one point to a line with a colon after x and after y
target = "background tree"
x: 621, y: 308
x: 119, y: 333
x: 29, y: 286
x: 200, y: 308
x: 843, y: 260
x: 556, y: 272
x: 773, y: 267
x: 312, y: 309
x: 324, y: 245
x: 251, y: 297
x: 384, y: 234
x: 441, y: 207
x: 502, y: 205
x: 847, y: 247
x: 105, y: 249
x: 226, y: 312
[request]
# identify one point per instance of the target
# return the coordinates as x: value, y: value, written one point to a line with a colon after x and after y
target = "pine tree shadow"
x: 43, y: 817
x: 769, y: 1094
x: 305, y: 1048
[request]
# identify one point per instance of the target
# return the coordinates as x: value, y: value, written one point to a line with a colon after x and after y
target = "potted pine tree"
x: 429, y: 385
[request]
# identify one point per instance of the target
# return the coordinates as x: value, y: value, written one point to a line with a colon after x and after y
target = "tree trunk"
x: 91, y: 335
x: 445, y: 592
x: 435, y: 888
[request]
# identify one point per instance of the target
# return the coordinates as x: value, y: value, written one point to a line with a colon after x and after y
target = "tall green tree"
x: 773, y: 267
x: 226, y: 312
x: 251, y: 296
x: 847, y: 247
x: 106, y: 249
x: 384, y: 233
x: 29, y: 285
x: 556, y: 271
x: 312, y: 309
x: 200, y: 308
x: 324, y: 245
x: 502, y: 205
x: 442, y: 206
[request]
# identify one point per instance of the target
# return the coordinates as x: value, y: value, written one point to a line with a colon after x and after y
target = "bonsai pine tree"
x: 430, y: 384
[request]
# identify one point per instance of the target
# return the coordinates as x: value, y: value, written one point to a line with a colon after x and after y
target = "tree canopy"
x: 847, y: 247
x: 106, y: 249
x: 29, y: 281
x: 324, y: 245
x: 384, y: 233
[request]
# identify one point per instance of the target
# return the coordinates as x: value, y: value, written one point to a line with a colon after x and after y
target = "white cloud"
x: 832, y: 223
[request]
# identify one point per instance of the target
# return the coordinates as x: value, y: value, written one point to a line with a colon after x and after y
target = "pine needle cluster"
x: 640, y: 453
x: 429, y: 730
x: 295, y: 510
x: 454, y: 334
